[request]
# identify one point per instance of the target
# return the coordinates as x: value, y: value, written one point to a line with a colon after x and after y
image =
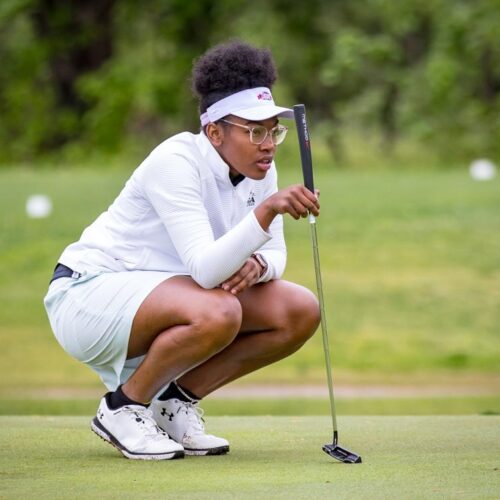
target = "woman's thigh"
x: 179, y: 301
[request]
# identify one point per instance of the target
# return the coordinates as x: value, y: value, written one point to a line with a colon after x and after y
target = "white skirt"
x: 92, y: 316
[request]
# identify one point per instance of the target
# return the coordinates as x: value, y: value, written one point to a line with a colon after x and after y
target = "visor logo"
x: 264, y: 96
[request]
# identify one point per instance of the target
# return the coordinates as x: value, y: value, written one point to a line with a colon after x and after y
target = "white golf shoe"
x: 132, y: 430
x: 183, y: 422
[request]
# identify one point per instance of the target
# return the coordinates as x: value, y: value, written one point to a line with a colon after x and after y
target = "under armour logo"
x: 251, y: 199
x: 100, y: 414
x: 165, y: 414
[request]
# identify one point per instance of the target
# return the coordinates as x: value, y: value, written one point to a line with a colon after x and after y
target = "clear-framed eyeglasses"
x: 258, y: 133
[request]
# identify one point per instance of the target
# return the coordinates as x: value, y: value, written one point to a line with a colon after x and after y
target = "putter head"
x: 341, y: 454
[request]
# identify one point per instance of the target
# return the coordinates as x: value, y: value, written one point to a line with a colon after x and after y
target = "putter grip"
x: 299, y: 111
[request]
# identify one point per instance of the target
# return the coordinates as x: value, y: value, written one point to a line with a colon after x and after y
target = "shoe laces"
x: 144, y: 418
x: 194, y: 417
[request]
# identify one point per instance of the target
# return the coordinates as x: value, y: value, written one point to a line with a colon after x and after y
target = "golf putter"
x: 334, y: 450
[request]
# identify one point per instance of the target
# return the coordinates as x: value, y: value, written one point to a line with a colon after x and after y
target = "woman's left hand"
x: 245, y: 277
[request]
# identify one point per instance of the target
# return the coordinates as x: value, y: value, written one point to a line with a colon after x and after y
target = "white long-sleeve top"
x: 179, y: 212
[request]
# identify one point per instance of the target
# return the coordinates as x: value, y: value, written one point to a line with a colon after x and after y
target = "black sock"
x: 174, y: 390
x: 118, y: 399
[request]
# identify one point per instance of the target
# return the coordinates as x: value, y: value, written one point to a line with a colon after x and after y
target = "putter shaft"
x: 334, y: 450
x: 324, y: 331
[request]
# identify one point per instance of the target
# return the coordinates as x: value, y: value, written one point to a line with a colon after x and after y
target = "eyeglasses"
x: 258, y: 133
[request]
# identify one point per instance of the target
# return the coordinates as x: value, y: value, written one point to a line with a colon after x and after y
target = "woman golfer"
x: 175, y: 290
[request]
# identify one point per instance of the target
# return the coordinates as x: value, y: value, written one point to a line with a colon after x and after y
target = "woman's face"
x: 234, y: 145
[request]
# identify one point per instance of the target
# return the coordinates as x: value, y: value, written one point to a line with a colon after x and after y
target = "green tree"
x: 47, y: 47
x: 100, y: 75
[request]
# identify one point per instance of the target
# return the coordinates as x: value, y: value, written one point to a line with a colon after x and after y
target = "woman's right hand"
x: 296, y: 200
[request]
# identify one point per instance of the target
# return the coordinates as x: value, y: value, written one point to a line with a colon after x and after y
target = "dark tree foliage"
x: 78, y: 38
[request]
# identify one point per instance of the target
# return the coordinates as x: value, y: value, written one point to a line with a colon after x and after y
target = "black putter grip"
x: 299, y: 111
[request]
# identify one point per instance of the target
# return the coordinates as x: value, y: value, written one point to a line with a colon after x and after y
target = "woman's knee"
x: 217, y: 320
x: 302, y: 315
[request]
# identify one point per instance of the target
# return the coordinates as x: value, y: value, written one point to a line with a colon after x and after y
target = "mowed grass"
x: 271, y: 457
x: 410, y: 261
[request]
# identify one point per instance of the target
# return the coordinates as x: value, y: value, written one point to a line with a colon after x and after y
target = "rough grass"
x: 271, y: 457
x: 411, y: 272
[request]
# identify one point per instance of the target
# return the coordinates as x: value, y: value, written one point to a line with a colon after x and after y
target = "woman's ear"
x: 215, y: 134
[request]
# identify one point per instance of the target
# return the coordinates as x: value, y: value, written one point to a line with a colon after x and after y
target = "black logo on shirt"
x: 251, y: 199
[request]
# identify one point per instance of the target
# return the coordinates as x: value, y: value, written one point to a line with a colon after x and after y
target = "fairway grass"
x: 271, y: 457
x: 410, y: 264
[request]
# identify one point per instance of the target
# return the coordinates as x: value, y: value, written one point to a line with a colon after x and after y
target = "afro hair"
x: 228, y: 68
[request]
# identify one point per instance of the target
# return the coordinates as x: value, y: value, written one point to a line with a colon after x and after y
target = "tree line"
x: 101, y: 74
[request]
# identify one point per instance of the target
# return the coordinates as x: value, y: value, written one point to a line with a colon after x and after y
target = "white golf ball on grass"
x: 38, y: 206
x: 482, y: 170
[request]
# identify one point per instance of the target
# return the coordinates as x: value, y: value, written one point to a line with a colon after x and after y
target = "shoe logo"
x: 100, y: 414
x: 251, y: 199
x: 165, y: 414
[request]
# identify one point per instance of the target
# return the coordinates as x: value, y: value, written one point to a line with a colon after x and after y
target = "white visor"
x: 251, y: 104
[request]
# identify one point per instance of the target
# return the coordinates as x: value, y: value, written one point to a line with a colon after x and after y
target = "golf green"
x: 271, y: 457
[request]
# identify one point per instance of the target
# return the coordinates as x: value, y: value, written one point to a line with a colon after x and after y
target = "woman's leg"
x: 178, y: 326
x: 278, y: 318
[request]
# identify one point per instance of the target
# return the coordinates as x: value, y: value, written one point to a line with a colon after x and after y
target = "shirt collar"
x: 237, y: 179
